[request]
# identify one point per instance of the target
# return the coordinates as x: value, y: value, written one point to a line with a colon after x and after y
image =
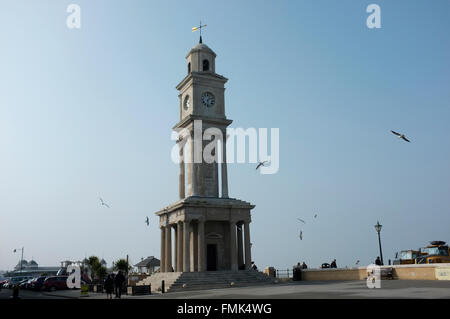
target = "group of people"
x: 302, y: 266
x: 114, y: 283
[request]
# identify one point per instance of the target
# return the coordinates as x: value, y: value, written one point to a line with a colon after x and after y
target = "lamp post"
x: 378, y: 227
x: 21, y: 258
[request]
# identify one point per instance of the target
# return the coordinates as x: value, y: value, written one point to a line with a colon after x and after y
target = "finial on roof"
x: 200, y: 27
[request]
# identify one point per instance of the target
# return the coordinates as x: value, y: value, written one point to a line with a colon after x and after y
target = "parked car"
x: 55, y: 283
x: 23, y: 284
x: 27, y: 284
x: 3, y: 282
x: 37, y: 283
x: 16, y: 280
x: 6, y: 283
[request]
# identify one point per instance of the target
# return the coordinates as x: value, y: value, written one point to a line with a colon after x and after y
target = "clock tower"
x: 202, y: 103
x: 211, y: 230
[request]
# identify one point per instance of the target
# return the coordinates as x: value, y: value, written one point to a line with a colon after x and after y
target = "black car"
x: 37, y: 283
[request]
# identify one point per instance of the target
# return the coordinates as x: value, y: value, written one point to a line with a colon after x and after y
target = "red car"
x: 54, y: 283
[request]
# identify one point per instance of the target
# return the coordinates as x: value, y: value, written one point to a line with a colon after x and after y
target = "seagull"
x: 301, y: 220
x: 103, y: 203
x: 402, y: 136
x: 315, y: 216
x: 147, y: 221
x: 357, y: 262
x: 261, y: 164
x: 300, y: 235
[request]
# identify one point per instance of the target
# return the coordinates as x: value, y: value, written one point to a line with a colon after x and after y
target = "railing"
x: 284, y: 273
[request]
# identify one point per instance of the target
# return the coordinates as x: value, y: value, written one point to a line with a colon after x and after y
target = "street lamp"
x: 21, y: 258
x: 378, y: 227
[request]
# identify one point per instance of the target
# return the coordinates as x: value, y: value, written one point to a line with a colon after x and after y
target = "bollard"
x: 162, y: 287
x: 15, y: 294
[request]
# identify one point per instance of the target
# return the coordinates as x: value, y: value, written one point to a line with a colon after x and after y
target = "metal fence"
x: 284, y: 273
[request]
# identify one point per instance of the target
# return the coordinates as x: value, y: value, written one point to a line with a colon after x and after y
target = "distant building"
x: 148, y: 265
x: 31, y: 268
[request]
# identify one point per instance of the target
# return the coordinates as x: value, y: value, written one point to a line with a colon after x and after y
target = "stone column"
x: 192, y: 248
x: 224, y: 167
x: 182, y: 169
x: 168, y: 248
x: 201, y: 246
x: 248, y: 256
x: 195, y: 186
x: 233, y: 252
x: 240, y: 247
x: 194, y: 171
x: 180, y: 247
x: 190, y: 165
x: 176, y: 248
x: 186, y: 264
x: 163, y: 250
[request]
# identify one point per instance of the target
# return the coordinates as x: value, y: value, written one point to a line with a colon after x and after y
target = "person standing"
x: 109, y: 286
x: 118, y: 282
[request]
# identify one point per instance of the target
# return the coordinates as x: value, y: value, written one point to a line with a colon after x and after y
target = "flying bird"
x: 315, y: 216
x: 357, y: 262
x: 261, y: 164
x: 147, y: 221
x: 103, y: 203
x: 402, y: 136
x: 301, y: 220
x: 300, y: 235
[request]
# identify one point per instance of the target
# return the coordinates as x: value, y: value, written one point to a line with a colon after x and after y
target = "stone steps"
x: 205, y: 280
x: 218, y: 279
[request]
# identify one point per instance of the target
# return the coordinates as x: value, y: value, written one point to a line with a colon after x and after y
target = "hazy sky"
x: 88, y: 113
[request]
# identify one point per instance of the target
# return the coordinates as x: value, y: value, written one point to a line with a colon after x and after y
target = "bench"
x: 139, y: 290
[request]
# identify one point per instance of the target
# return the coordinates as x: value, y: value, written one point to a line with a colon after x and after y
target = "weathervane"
x: 200, y: 27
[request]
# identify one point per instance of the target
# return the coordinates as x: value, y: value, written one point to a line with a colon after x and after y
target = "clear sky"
x: 88, y: 113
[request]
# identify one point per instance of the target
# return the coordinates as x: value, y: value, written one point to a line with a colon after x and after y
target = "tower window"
x: 205, y: 65
x: 189, y: 68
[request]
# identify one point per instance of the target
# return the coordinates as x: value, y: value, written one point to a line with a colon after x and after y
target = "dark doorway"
x: 211, y: 257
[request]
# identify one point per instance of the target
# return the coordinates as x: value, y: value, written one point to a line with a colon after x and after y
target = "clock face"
x: 187, y: 102
x: 208, y: 99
